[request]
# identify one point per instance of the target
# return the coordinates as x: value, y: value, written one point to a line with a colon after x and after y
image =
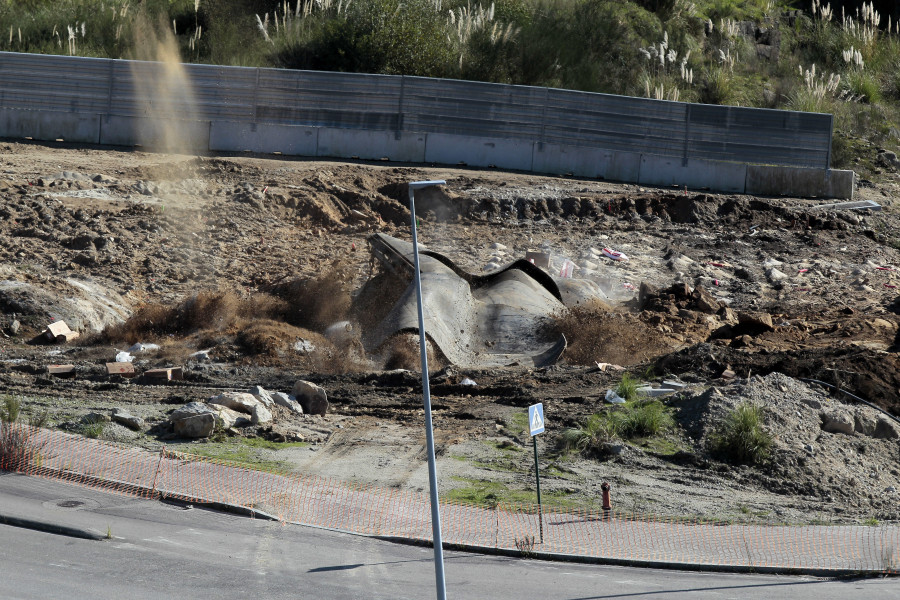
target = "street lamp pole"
x: 426, y: 392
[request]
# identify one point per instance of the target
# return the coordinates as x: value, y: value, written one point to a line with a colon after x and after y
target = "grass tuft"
x: 741, y: 437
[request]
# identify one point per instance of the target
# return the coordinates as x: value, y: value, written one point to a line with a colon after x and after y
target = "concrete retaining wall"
x: 49, y: 125
x: 371, y: 145
x: 479, y: 152
x: 440, y: 148
x: 790, y: 181
x: 265, y: 138
x: 696, y: 174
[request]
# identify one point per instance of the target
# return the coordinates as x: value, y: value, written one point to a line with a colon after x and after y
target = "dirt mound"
x: 871, y: 374
x: 596, y: 333
x: 847, y: 470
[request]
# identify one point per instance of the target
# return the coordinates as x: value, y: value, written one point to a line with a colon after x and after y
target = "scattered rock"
x: 14, y: 327
x: 886, y: 429
x: 94, y: 417
x: 311, y: 397
x: 127, y: 419
x: 837, y: 421
x: 755, y: 323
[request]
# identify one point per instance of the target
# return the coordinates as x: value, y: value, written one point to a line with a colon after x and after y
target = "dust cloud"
x: 163, y: 89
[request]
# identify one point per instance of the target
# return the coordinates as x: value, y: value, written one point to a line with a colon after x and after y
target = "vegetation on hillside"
x: 804, y: 55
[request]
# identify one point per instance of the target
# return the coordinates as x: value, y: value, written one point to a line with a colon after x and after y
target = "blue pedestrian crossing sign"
x: 536, y: 418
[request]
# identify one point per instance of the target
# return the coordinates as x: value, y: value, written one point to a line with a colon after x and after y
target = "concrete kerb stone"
x: 48, y: 527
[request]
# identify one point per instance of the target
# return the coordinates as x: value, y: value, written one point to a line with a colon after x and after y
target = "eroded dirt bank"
x: 732, y: 285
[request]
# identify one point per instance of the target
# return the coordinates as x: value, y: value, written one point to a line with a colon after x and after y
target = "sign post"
x: 440, y: 585
x: 536, y: 426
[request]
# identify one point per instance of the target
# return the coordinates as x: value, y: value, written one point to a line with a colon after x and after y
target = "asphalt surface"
x: 69, y: 542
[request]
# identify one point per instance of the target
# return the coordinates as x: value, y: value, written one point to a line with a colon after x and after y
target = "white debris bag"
x: 124, y: 356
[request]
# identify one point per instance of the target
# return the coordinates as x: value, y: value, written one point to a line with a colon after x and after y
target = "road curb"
x: 49, y: 527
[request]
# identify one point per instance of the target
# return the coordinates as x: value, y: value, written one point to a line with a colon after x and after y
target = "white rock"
x: 282, y: 399
x: 498, y: 246
x: 311, y: 397
x: 239, y: 401
x: 258, y: 392
x: 775, y: 275
x: 304, y: 346
x: 228, y: 418
x: 261, y: 415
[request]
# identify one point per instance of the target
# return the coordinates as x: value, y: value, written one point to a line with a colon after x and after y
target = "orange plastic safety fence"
x: 366, y: 509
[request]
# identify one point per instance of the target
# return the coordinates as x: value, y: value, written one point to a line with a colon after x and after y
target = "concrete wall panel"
x: 371, y: 145
x: 173, y: 135
x: 586, y: 162
x: 791, y: 181
x: 50, y: 125
x: 479, y: 152
x: 698, y: 174
x: 268, y: 138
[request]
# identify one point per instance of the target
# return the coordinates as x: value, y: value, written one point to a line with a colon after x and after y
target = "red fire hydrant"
x: 607, y: 502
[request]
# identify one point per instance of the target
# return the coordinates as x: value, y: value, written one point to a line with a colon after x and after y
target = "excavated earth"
x: 737, y: 298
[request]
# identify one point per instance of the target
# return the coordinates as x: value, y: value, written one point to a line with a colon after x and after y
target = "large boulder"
x: 863, y: 423
x: 190, y: 409
x: 837, y: 421
x: 282, y: 399
x: 195, y: 426
x: 311, y: 397
x: 260, y: 393
x: 260, y: 415
x: 239, y: 401
x: 228, y: 418
x: 193, y: 420
x: 886, y: 429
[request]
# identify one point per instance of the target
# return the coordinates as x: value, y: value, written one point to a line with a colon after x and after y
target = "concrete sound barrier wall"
x: 582, y: 161
x: 371, y: 145
x: 266, y: 138
x: 479, y: 152
x: 155, y: 134
x: 694, y: 173
x: 82, y: 128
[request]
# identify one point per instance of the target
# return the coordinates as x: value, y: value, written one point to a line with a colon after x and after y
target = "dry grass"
x: 263, y: 326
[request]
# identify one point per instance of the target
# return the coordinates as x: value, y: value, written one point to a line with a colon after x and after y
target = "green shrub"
x: 590, y: 438
x: 719, y: 87
x: 92, y: 430
x: 16, y: 439
x: 741, y: 437
x: 10, y: 409
x: 628, y: 387
x: 643, y: 418
x: 863, y: 86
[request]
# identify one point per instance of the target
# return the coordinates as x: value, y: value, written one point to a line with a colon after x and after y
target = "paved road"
x: 159, y: 550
